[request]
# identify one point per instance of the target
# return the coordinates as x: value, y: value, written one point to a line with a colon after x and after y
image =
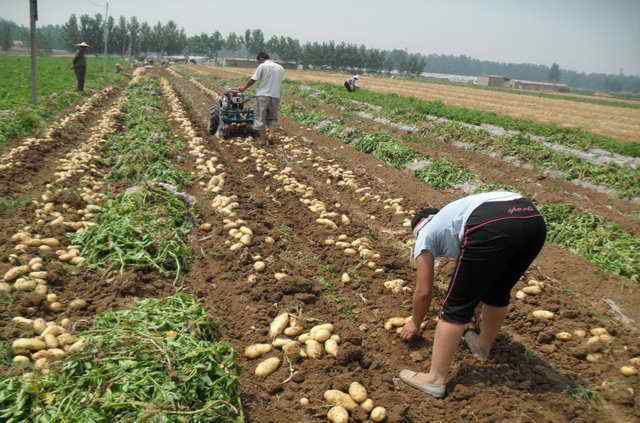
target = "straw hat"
x: 82, y: 44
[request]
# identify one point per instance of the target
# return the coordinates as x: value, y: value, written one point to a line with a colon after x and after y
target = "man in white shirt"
x: 270, y: 74
x: 351, y: 84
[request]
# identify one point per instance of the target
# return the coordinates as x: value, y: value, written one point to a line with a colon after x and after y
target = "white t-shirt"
x: 442, y: 235
x: 270, y: 74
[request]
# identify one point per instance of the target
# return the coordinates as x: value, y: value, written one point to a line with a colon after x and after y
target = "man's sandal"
x: 437, y: 391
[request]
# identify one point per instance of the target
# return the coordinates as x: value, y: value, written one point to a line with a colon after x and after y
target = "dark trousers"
x: 80, y: 74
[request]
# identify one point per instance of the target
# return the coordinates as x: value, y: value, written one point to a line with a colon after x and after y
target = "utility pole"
x: 33, y: 13
x: 106, y: 28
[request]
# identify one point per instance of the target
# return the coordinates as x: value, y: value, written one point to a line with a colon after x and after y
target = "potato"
x: 41, y: 290
x: 543, y: 314
x: 336, y: 338
x: 331, y: 347
x: 5, y: 287
x: 304, y: 337
x: 378, y: 414
x: 327, y: 326
x: 53, y: 329
x: 606, y: 338
x: 21, y: 361
x: 259, y: 266
x: 357, y: 392
x: 246, y: 240
x: 593, y: 357
x: 350, y: 251
x: 56, y: 353
x: 269, y: 240
x: 320, y: 335
x: 635, y: 361
x: 39, y: 275
x: 56, y: 306
x: 338, y: 414
x: 77, y: 304
x: 563, y: 336
x: 327, y: 222
x: 267, y: 367
x: 329, y: 241
x: 278, y: 325
x: 39, y: 325
x: 25, y: 284
x: 628, y: 370
x: 77, y: 260
x: 50, y: 242
x: 51, y: 341
x: 532, y: 290
x: 77, y: 346
x: 580, y: 333
x: 293, y: 330
x: 206, y: 227
x: 66, y: 339
x: 236, y: 246
x: 599, y: 331
x: 52, y: 298
x: 32, y: 344
x: 345, y: 278
x: 279, y: 276
x: 313, y: 348
x: 281, y: 342
x: 367, y: 405
x: 304, y: 401
x: 65, y: 323
x: 42, y: 363
x: 339, y: 398
x: 394, y: 322
x: 345, y: 220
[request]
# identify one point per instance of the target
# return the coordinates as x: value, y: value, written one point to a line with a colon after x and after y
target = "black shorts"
x: 501, y: 240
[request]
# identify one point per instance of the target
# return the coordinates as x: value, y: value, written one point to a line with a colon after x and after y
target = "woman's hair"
x: 263, y: 56
x: 421, y: 214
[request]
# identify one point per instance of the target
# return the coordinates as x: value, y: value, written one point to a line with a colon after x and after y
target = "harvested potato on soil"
x: 543, y: 314
x: 345, y: 278
x: 293, y: 330
x: 325, y: 326
x: 259, y: 266
x: 304, y: 401
x: 378, y: 414
x: 339, y: 398
x: 21, y: 361
x: 331, y: 347
x: 628, y: 370
x: 338, y: 414
x: 281, y: 342
x: 77, y: 304
x: 320, y: 335
x: 532, y: 290
x: 291, y: 350
x: 599, y: 331
x: 278, y: 325
x: 563, y: 336
x: 580, y: 333
x: 31, y: 344
x: 357, y: 392
x: 313, y: 348
x: 257, y: 350
x: 367, y: 405
x: 394, y: 322
x: 267, y: 367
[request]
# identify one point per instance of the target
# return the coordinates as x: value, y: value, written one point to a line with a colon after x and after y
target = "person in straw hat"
x: 80, y: 64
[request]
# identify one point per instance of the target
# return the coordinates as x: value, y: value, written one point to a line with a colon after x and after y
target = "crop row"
x: 624, y: 180
x: 413, y: 110
x: 144, y: 227
x: 614, y: 251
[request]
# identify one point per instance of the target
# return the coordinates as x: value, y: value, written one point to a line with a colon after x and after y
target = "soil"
x: 530, y: 377
x: 534, y: 371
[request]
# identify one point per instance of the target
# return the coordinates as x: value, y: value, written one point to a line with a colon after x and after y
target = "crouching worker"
x: 494, y: 236
x: 270, y: 74
x: 351, y: 84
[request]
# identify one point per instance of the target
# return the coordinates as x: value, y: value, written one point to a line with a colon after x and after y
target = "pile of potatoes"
x: 355, y: 401
x: 534, y: 287
x: 632, y: 368
x: 53, y: 342
x: 397, y: 286
x: 319, y: 340
x: 240, y: 235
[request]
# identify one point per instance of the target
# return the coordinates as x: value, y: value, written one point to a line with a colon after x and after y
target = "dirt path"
x: 530, y: 369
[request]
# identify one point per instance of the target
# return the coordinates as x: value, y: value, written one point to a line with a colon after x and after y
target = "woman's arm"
x: 421, y: 296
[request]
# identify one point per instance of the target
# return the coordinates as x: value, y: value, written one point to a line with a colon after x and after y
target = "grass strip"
x: 443, y: 174
x: 412, y: 110
x: 157, y: 362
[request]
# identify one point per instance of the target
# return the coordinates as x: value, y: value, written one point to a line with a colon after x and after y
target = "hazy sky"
x: 585, y: 35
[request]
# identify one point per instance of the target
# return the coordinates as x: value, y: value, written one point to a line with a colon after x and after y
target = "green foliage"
x: 133, y: 370
x: 369, y: 142
x: 8, y: 205
x: 147, y: 149
x: 56, y: 89
x: 394, y: 154
x: 443, y: 174
x: 146, y: 229
x: 603, y: 243
x: 411, y: 110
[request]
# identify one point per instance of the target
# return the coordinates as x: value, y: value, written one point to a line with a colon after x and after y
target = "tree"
x: 6, y: 35
x: 554, y: 73
x: 146, y: 37
x: 71, y: 32
x: 123, y: 33
x: 134, y: 36
x: 216, y: 41
x: 233, y: 42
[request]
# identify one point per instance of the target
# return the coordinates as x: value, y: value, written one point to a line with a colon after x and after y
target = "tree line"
x: 132, y: 36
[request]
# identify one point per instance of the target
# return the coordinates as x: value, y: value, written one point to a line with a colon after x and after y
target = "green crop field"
x: 56, y: 91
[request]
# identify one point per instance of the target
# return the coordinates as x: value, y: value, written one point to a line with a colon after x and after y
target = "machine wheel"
x: 214, y: 122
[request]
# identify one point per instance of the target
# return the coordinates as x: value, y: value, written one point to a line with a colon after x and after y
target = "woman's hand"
x: 409, y: 330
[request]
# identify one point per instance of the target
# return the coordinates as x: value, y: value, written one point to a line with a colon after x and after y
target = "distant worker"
x: 351, y: 84
x: 494, y: 237
x: 80, y: 64
x: 270, y: 74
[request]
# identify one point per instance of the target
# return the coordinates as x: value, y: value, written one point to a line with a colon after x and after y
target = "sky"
x: 583, y: 35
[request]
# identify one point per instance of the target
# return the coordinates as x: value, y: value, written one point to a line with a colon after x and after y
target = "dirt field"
x: 620, y: 123
x: 532, y: 377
